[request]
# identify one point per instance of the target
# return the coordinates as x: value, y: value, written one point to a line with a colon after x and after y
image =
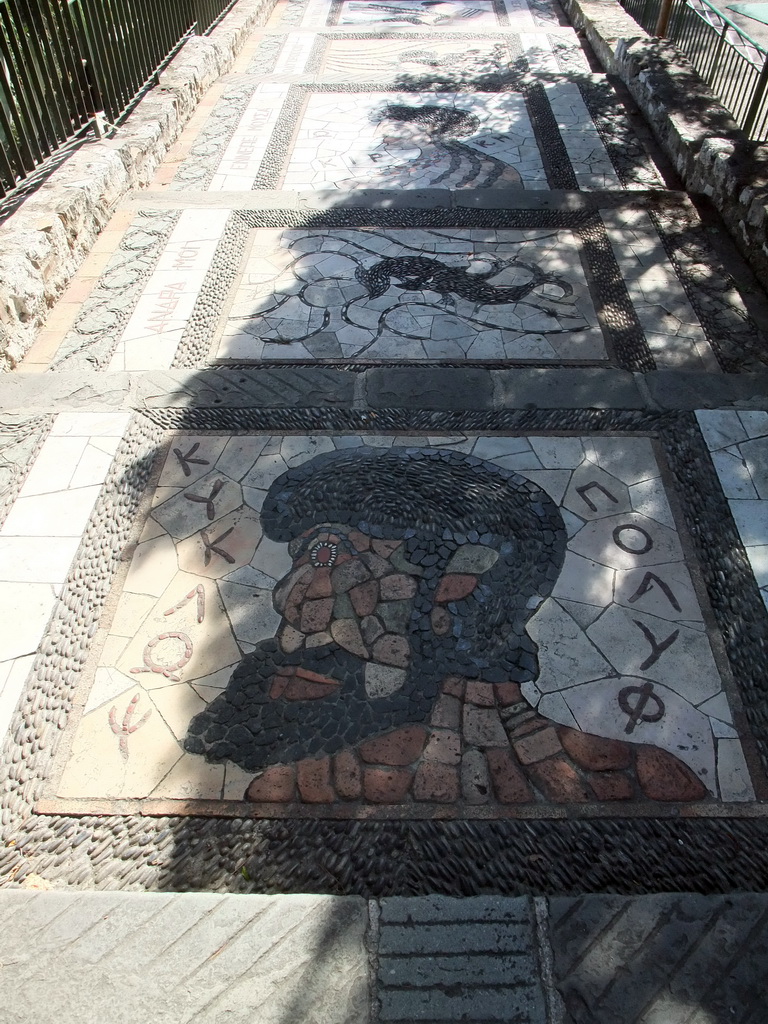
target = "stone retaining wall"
x: 44, y: 242
x: 709, y: 151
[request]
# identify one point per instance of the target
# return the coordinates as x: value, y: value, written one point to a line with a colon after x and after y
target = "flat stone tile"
x: 33, y: 559
x: 64, y: 513
x: 272, y: 622
x: 26, y: 608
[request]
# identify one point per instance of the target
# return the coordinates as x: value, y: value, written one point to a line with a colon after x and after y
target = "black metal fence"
x: 62, y: 62
x: 733, y: 65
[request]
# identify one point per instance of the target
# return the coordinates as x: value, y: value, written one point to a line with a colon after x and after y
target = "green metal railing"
x: 63, y: 62
x: 732, y: 64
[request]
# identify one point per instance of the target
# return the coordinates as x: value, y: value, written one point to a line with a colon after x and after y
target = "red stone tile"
x: 594, y: 752
x: 365, y: 598
x: 525, y: 723
x: 347, y: 775
x: 397, y: 587
x: 395, y: 748
x: 392, y: 649
x: 446, y: 713
x: 509, y: 782
x: 299, y: 689
x: 454, y: 586
x: 438, y: 782
x: 508, y: 693
x: 611, y: 786
x: 558, y: 781
x: 442, y: 621
x: 482, y: 727
x: 454, y: 685
x: 360, y: 540
x: 385, y: 547
x: 320, y: 585
x: 315, y: 615
x: 275, y: 785
x: 314, y: 778
x: 537, y: 745
x: 480, y: 694
x: 386, y: 785
x: 444, y: 746
x: 663, y: 777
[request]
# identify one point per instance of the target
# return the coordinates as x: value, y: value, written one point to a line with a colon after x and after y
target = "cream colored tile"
x: 63, y: 514
x: 191, y: 779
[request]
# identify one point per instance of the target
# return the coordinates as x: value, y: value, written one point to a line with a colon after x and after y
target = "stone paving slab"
x: 173, y: 959
x: 680, y: 959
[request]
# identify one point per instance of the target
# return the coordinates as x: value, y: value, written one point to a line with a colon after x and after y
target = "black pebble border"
x: 618, y: 318
x: 376, y: 859
x: 103, y: 316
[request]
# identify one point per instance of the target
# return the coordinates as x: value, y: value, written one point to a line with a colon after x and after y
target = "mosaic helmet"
x: 457, y: 515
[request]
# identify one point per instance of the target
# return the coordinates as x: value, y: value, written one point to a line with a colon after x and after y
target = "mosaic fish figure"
x: 416, y: 273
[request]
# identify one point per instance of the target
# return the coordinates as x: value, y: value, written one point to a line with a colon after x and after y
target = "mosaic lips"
x: 408, y: 565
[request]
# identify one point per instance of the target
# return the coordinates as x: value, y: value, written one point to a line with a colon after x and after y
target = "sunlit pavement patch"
x: 459, y: 625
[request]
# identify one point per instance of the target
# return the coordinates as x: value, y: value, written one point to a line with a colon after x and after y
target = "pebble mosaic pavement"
x: 520, y: 620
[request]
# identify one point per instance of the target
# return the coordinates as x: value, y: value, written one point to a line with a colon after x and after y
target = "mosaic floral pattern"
x: 378, y: 295
x: 454, y: 620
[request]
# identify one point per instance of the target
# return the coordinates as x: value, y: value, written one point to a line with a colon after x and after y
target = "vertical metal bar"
x: 757, y: 97
x: 13, y: 61
x: 36, y: 67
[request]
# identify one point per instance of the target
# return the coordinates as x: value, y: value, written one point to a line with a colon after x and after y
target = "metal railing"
x: 732, y: 64
x: 63, y: 62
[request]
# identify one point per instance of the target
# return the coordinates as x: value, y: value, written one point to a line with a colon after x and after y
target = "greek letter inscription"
x: 198, y: 591
x: 591, y: 486
x: 185, y: 460
x: 125, y: 729
x: 212, y: 547
x: 647, y: 541
x: 647, y: 584
x: 657, y: 649
x: 636, y: 711
x: 210, y: 508
x: 169, y: 671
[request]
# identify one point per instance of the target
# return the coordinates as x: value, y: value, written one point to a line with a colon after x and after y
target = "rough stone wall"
x: 701, y: 138
x: 45, y: 241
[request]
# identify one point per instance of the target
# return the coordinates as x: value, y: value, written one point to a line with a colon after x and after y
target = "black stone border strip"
x: 554, y: 155
x: 630, y: 855
x: 112, y: 305
x: 624, y: 336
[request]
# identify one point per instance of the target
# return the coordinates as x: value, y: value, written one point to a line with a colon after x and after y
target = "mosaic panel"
x: 412, y: 58
x: 414, y: 140
x: 475, y: 624
x: 418, y: 294
x: 466, y: 14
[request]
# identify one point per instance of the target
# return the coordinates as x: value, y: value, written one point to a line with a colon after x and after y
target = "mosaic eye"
x: 323, y: 554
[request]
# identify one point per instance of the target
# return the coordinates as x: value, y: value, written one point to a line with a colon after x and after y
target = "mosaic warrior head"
x: 409, y: 565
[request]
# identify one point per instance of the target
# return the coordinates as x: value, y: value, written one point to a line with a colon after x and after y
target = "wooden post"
x: 663, y: 23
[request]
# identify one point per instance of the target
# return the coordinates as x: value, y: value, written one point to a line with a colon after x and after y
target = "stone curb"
x: 380, y: 387
x: 45, y: 241
x: 709, y: 151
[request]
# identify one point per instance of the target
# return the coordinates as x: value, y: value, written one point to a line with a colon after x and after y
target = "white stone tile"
x: 630, y: 459
x: 734, y: 476
x: 732, y: 772
x: 751, y: 518
x: 755, y: 422
x: 666, y: 591
x: 566, y: 656
x: 558, y: 452
x: 92, y: 468
x: 63, y: 514
x: 720, y: 427
x: 685, y: 664
x: 755, y: 455
x: 585, y: 580
x: 90, y: 424
x: 626, y: 541
x: 25, y: 609
x: 649, y: 499
x: 54, y: 466
x: 717, y: 707
x: 36, y: 559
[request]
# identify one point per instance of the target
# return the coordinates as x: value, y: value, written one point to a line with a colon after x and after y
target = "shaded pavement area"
x: 384, y: 548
